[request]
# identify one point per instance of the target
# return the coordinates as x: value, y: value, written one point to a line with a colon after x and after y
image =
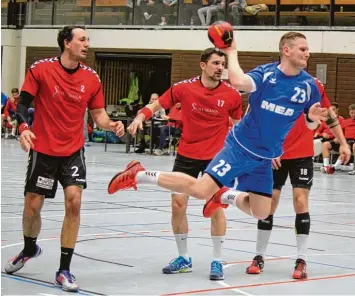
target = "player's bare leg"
x: 204, y: 188
x: 179, y: 223
x: 31, y: 219
x: 31, y: 225
x: 69, y: 235
x: 218, y: 233
x: 263, y: 236
x: 302, y: 227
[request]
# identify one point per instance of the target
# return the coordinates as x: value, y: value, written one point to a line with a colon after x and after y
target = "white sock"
x: 217, y: 247
x: 262, y: 241
x: 148, y: 177
x: 338, y: 163
x: 326, y: 162
x: 181, y: 242
x: 302, y: 246
x: 13, y: 131
x: 230, y: 197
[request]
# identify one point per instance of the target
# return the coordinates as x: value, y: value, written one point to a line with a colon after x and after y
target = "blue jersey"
x: 3, y: 99
x: 275, y: 105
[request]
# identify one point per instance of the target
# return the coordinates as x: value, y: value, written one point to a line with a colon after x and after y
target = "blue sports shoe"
x: 65, y: 280
x: 178, y: 265
x: 216, y: 273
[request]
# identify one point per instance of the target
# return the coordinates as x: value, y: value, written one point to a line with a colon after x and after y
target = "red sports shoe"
x: 126, y: 179
x: 300, y: 272
x: 256, y: 266
x: 214, y: 203
x: 328, y: 170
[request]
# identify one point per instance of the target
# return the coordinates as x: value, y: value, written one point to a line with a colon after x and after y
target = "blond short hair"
x: 288, y: 38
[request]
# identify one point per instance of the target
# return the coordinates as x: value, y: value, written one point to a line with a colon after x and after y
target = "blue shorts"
x: 254, y: 174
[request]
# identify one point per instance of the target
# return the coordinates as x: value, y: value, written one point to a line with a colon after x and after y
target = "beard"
x: 215, y: 77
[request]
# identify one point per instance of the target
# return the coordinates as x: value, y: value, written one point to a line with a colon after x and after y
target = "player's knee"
x: 178, y: 204
x: 33, y: 204
x: 300, y: 203
x: 261, y: 214
x: 73, y: 204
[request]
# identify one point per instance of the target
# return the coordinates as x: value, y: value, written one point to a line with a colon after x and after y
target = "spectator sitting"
x: 237, y: 7
x: 157, y: 115
x: 323, y: 132
x: 170, y: 128
x: 212, y: 8
x: 10, y: 113
x: 4, y: 99
x: 349, y: 134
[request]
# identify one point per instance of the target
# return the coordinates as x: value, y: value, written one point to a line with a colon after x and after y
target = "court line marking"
x: 261, y: 284
x: 224, y: 284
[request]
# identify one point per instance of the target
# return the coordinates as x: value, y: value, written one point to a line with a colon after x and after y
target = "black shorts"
x: 300, y: 171
x: 190, y: 166
x: 44, y: 172
x: 335, y: 146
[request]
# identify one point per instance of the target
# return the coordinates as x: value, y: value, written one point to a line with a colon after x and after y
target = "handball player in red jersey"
x: 62, y: 88
x: 296, y: 162
x: 207, y: 103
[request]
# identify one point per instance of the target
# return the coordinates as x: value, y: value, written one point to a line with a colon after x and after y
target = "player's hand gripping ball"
x: 221, y: 34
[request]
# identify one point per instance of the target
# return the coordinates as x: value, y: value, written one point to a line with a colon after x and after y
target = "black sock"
x: 303, y: 223
x: 65, y: 258
x: 30, y: 245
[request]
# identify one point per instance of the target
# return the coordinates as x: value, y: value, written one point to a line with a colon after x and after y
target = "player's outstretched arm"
x: 103, y: 121
x: 237, y: 77
x: 144, y: 114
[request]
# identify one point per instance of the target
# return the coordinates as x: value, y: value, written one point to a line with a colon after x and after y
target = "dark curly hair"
x: 66, y: 34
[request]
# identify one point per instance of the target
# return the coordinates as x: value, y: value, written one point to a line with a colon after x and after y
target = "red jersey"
x: 349, y: 129
x: 10, y: 107
x: 61, y: 97
x: 299, y: 141
x: 204, y: 114
x: 324, y: 128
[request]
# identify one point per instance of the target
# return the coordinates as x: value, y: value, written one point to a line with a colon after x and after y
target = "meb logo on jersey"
x: 277, y: 108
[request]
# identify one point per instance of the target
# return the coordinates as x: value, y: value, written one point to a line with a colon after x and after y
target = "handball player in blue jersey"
x: 279, y: 93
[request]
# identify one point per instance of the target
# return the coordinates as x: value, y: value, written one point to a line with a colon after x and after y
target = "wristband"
x: 146, y: 112
x: 308, y: 119
x: 23, y: 126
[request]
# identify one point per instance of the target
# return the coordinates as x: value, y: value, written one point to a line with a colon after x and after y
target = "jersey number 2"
x: 221, y: 168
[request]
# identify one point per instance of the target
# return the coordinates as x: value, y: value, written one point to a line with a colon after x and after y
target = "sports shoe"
x: 214, y: 203
x: 216, y: 273
x: 300, y: 272
x: 327, y: 170
x: 65, y: 280
x: 256, y: 266
x: 178, y: 265
x: 351, y: 172
x: 126, y: 179
x: 17, y: 262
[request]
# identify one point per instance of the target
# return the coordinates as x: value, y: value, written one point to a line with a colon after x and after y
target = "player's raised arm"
x: 237, y: 77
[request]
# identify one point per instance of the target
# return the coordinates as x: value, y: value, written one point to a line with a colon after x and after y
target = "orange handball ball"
x: 221, y: 34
